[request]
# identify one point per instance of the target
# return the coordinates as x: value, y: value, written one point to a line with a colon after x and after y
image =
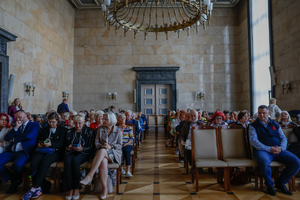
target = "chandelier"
x: 157, y: 15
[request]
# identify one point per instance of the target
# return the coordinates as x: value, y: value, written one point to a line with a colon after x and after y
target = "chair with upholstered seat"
x: 205, y: 153
x: 234, y: 149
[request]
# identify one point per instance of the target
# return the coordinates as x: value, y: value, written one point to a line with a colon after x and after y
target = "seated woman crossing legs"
x: 109, y: 143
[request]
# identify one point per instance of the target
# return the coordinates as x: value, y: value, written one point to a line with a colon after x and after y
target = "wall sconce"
x: 29, y: 86
x: 66, y: 94
x: 286, y: 85
x: 200, y: 95
x: 112, y: 96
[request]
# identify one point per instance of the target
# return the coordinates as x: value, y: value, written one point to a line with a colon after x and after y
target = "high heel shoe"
x: 102, y: 196
x: 86, y: 181
x: 75, y: 197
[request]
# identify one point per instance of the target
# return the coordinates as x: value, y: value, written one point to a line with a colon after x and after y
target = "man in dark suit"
x: 23, y: 143
x: 63, y: 107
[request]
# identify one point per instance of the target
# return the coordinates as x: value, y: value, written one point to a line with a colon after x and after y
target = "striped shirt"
x: 127, y: 134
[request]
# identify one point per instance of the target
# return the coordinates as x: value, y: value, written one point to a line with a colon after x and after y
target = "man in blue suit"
x: 63, y: 107
x: 23, y: 143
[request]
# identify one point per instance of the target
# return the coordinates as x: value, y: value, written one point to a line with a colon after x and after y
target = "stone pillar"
x: 5, y: 37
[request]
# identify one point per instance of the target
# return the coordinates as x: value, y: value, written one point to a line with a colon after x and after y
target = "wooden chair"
x: 205, y: 153
x: 233, y: 147
x: 133, y: 153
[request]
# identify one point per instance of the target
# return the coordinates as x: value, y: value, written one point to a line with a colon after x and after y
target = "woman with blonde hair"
x: 92, y: 116
x: 109, y: 142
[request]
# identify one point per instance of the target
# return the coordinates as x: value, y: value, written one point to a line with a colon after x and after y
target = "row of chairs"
x: 228, y: 147
x: 57, y: 168
x: 156, y: 121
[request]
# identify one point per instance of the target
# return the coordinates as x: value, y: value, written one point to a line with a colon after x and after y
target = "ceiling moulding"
x: 78, y: 5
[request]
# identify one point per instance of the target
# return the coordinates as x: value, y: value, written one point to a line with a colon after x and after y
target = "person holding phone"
x: 79, y: 145
x: 109, y: 142
x: 50, y: 145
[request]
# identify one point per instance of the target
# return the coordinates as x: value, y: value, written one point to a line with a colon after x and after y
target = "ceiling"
x: 96, y: 4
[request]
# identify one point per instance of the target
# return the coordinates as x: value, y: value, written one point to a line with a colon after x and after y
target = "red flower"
x: 273, y: 128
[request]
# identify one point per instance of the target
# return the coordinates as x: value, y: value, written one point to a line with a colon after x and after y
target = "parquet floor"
x: 158, y: 176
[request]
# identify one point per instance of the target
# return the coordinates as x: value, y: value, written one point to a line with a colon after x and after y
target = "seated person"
x: 218, y: 118
x: 109, y: 142
x: 186, y: 119
x: 79, y: 141
x: 24, y: 139
x: 99, y: 121
x: 92, y: 116
x: 5, y: 127
x: 269, y: 143
x: 128, y: 139
x: 186, y: 131
x: 227, y: 117
x: 285, y: 119
x: 129, y: 119
x: 50, y: 148
x: 242, y: 119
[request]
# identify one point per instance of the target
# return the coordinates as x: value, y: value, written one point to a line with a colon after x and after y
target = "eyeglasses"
x: 218, y: 118
x: 52, y: 122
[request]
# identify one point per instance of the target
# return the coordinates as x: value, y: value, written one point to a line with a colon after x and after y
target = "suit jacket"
x: 28, y: 139
x: 186, y: 129
x: 136, y: 126
x: 62, y: 107
x: 57, y: 138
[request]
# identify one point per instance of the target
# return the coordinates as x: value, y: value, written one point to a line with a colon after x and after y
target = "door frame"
x: 156, y: 75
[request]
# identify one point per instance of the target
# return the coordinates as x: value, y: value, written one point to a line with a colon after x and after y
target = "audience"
x: 13, y: 108
x: 273, y: 108
x: 79, y: 142
x: 5, y: 127
x: 19, y: 144
x: 109, y: 143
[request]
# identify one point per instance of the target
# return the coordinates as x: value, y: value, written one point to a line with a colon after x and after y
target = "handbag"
x: 98, y: 186
x: 45, y: 150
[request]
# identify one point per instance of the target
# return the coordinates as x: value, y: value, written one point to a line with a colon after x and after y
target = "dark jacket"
x: 179, y: 127
x: 186, y: 129
x: 62, y: 107
x: 86, y: 137
x: 136, y: 126
x: 291, y: 123
x: 269, y: 135
x: 57, y: 138
x: 28, y: 139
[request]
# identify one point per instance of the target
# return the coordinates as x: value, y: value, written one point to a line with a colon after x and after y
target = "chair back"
x: 233, y: 144
x: 151, y: 120
x: 204, y: 143
x: 289, y: 134
x: 160, y: 120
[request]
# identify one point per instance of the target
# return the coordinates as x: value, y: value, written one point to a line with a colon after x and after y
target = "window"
x: 148, y: 101
x: 163, y: 101
x: 163, y: 91
x: 148, y: 91
x: 163, y: 111
x: 260, y: 58
x: 148, y: 111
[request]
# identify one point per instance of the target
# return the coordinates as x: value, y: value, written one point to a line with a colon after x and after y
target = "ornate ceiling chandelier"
x: 157, y: 15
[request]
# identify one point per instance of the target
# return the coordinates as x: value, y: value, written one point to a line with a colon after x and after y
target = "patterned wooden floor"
x: 158, y: 176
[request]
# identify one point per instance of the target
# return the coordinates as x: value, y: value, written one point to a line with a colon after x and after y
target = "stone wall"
x: 243, y: 58
x: 286, y: 33
x: 43, y: 52
x: 209, y: 61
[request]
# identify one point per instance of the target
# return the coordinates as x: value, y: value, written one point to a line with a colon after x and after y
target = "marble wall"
x: 286, y: 33
x: 43, y: 52
x: 214, y: 61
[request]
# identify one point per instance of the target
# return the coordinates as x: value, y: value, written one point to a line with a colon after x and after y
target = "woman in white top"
x: 5, y: 127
